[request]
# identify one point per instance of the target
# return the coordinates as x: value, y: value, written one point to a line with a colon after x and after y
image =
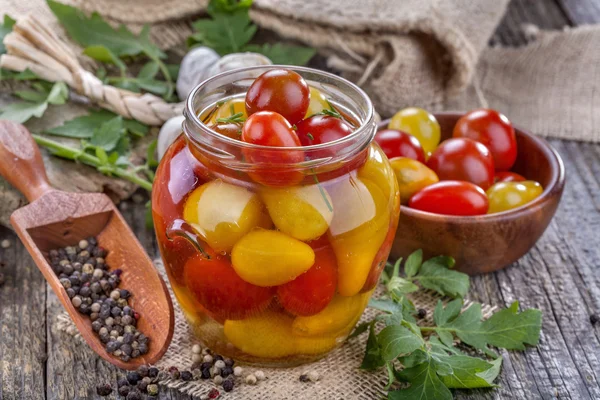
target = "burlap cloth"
x: 341, y: 378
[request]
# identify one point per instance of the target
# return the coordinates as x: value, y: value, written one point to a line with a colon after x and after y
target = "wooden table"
x: 561, y: 276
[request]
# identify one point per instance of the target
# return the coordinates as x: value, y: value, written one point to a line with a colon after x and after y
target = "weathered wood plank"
x: 581, y: 12
x: 22, y: 323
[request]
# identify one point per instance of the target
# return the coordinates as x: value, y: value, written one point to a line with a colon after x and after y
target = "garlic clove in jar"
x: 194, y: 69
x: 168, y: 133
x: 238, y: 60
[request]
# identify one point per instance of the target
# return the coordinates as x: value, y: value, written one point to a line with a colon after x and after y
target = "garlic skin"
x: 194, y: 69
x: 167, y: 134
x: 238, y: 60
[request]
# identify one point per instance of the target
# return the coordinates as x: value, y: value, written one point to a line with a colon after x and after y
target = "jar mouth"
x: 197, y: 131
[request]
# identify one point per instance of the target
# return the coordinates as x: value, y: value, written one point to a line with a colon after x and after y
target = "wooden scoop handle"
x: 21, y: 162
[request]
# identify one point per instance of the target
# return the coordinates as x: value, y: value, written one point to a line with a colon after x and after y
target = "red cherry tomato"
x: 507, y: 176
x: 217, y: 287
x: 313, y: 290
x: 451, y: 198
x: 463, y: 159
x: 400, y: 144
x: 281, y: 91
x: 320, y: 129
x: 492, y: 129
x: 274, y: 167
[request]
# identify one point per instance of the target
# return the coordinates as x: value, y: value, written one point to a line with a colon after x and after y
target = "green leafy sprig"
x: 230, y: 30
x: 35, y: 100
x: 104, y: 43
x: 425, y: 359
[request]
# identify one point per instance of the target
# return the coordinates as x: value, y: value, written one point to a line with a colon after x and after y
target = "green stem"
x: 93, y: 161
x: 427, y: 328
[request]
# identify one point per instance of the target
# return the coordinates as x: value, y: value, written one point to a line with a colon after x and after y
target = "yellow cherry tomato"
x: 357, y: 234
x: 340, y: 315
x: 222, y: 213
x: 377, y: 170
x: 420, y: 124
x: 268, y: 335
x: 270, y: 258
x: 412, y: 176
x: 505, y: 196
x: 229, y: 108
x: 303, y: 212
x: 316, y: 345
x: 318, y: 103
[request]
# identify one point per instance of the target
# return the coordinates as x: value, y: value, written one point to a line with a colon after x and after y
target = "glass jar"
x: 274, y: 264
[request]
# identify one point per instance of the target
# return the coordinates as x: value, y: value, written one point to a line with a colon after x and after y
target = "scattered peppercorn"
x: 133, y: 377
x: 313, y: 376
x: 260, y: 375
x: 174, y: 373
x: 594, y: 318
x: 251, y: 379
x: 218, y: 379
x: 153, y: 372
x: 213, y: 394
x: 93, y: 290
x: 304, y: 378
x: 142, y: 385
x: 238, y: 371
x: 124, y: 390
x: 5, y: 244
x: 134, y: 395
x: 196, y: 349
x: 228, y: 385
x: 104, y: 389
x: 152, y: 389
x: 220, y: 364
x: 422, y: 313
x: 186, y: 376
x: 225, y: 372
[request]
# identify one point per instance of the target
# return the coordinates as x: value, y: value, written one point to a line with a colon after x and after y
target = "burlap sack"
x: 341, y: 378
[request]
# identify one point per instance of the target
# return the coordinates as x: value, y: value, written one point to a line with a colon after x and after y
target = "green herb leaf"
x: 507, y: 328
x: 470, y: 372
x: 95, y: 31
x: 388, y: 306
x: 83, y: 127
x: 31, y: 95
x: 237, y: 118
x: 105, y: 55
x: 436, y: 275
x: 107, y: 136
x: 22, y: 112
x: 226, y: 32
x: 58, y: 94
x: 5, y: 28
x: 424, y: 384
x: 401, y: 286
x: 285, y: 54
x: 413, y: 263
x: 372, y: 359
x: 395, y: 340
x: 149, y: 70
x: 151, y: 160
x: 442, y: 315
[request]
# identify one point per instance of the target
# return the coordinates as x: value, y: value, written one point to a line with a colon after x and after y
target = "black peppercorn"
x: 112, y: 346
x: 217, y: 357
x: 104, y: 389
x: 124, y: 390
x: 142, y: 369
x: 594, y: 318
x: 228, y: 385
x: 133, y: 377
x: 143, y: 348
x: 422, y: 313
x: 304, y: 378
x: 153, y: 372
x: 134, y: 395
x: 186, y: 376
x: 115, y: 312
x: 122, y: 382
x: 229, y: 362
x: 225, y: 372
x: 142, y: 386
x: 205, y: 373
x: 126, y: 349
x: 96, y: 325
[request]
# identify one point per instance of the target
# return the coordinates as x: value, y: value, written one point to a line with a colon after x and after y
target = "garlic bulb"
x: 238, y: 60
x: 194, y: 69
x: 168, y: 133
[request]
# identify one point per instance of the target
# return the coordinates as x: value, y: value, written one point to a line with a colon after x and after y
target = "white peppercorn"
x: 260, y: 375
x: 218, y: 379
x: 251, y: 379
x: 238, y: 371
x: 196, y: 358
x: 115, y: 295
x: 196, y: 349
x: 220, y: 364
x: 313, y: 376
x: 208, y: 358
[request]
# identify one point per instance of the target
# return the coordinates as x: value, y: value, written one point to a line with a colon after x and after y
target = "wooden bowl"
x: 485, y: 243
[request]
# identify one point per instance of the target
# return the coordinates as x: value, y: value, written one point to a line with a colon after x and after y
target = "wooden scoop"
x: 55, y: 219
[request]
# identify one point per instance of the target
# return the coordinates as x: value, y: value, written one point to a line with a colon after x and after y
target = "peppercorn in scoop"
x: 94, y: 291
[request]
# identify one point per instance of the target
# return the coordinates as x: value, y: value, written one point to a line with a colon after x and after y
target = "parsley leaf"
x: 424, y: 384
x: 507, y: 328
x: 108, y: 135
x: 83, y: 127
x: 37, y: 102
x: 230, y: 30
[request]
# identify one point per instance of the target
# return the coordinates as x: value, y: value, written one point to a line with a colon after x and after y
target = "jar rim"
x: 366, y: 124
